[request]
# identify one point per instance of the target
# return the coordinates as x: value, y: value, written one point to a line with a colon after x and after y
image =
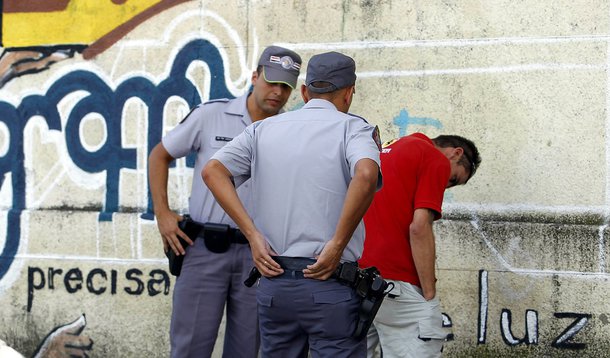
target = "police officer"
x: 314, y: 172
x: 209, y: 279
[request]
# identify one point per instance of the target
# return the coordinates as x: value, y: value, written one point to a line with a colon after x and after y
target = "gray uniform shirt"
x: 301, y: 164
x: 205, y: 130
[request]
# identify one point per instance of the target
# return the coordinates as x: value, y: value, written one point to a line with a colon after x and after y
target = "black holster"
x: 175, y: 261
x: 370, y: 287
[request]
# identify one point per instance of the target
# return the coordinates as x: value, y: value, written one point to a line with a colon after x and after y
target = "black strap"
x: 234, y: 235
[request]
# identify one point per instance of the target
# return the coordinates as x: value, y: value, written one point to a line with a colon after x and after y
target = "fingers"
x: 171, y: 234
x: 67, y: 341
x: 319, y: 271
x: 268, y: 267
x: 75, y: 327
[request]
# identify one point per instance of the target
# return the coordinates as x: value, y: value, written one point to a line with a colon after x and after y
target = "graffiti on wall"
x: 107, y: 103
x: 37, y: 33
x: 97, y: 97
x: 566, y: 339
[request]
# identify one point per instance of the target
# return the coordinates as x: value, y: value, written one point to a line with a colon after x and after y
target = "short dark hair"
x: 326, y: 95
x: 471, y: 158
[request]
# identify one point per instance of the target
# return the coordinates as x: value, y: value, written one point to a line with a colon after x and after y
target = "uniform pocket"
x: 263, y: 299
x: 335, y: 312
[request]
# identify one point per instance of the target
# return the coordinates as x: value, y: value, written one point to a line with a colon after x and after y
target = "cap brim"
x: 273, y: 75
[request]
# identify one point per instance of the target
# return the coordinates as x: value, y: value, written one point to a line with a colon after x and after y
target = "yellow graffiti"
x: 82, y: 22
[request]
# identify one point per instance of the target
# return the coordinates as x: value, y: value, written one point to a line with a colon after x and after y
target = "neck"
x: 256, y: 114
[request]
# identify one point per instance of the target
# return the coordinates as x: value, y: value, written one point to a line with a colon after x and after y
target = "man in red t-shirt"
x: 400, y: 240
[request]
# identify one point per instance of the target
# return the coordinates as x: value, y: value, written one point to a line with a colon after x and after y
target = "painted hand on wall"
x: 66, y: 341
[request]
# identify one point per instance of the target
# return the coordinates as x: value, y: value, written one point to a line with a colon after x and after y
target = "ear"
x: 304, y: 93
x: 349, y: 95
x: 456, y: 153
x: 254, y: 77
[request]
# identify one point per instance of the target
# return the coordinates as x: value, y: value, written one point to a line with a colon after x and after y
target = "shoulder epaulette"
x: 217, y: 100
x: 357, y: 116
x: 189, y: 114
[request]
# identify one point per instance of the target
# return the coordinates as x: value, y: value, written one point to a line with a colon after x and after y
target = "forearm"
x: 359, y: 196
x: 423, y: 249
x: 218, y: 179
x: 158, y: 168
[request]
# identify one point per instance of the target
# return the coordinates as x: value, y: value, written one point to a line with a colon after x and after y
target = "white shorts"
x: 407, y: 326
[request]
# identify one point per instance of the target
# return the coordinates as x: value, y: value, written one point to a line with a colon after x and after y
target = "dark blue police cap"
x: 332, y: 67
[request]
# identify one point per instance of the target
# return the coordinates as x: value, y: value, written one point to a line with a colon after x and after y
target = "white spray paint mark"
x: 531, y: 318
x: 535, y: 67
x: 530, y: 272
x: 601, y: 243
x: 567, y: 335
x: 5, y: 139
x: 81, y: 258
x: 483, y: 306
x: 365, y: 45
x: 506, y: 332
x: 132, y: 239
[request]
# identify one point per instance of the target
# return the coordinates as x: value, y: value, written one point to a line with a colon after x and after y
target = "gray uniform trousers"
x: 209, y: 280
x: 297, y: 313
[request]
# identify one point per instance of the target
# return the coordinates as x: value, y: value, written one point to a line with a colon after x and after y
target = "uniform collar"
x: 238, y: 107
x: 319, y: 103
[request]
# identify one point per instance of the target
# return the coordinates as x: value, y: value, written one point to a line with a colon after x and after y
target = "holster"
x: 216, y: 237
x: 370, y: 287
x: 190, y: 229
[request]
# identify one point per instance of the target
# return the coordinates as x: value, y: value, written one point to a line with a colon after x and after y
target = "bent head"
x: 463, y: 156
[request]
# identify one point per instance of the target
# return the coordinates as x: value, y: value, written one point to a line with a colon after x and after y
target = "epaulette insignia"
x: 357, y: 116
x: 191, y: 111
x: 217, y: 100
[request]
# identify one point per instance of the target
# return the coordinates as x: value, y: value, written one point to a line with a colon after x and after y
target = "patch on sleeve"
x: 377, y: 137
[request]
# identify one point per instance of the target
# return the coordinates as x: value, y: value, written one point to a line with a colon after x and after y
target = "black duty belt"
x: 217, y: 237
x: 294, y: 266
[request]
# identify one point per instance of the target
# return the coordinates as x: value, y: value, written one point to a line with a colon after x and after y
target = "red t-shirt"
x: 415, y: 175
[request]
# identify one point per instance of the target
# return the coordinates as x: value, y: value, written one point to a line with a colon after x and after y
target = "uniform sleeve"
x: 185, y: 137
x: 236, y: 155
x: 360, y: 144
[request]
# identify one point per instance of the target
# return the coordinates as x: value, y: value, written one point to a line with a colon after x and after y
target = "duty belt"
x: 195, y: 229
x: 368, y: 284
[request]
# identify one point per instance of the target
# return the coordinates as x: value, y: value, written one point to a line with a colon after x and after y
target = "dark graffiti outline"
x: 562, y: 341
x: 531, y: 328
x: 111, y: 157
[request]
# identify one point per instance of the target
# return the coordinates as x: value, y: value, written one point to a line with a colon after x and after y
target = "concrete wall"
x: 89, y: 87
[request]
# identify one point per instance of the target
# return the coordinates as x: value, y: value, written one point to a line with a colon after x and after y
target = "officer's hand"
x: 169, y: 230
x: 261, y: 254
x: 327, y: 262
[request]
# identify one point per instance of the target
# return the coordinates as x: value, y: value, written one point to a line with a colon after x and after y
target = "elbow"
x: 417, y: 230
x: 368, y: 173
x: 213, y: 172
x: 207, y: 173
